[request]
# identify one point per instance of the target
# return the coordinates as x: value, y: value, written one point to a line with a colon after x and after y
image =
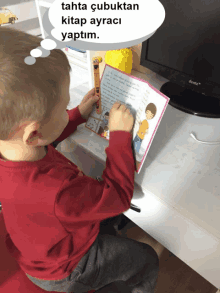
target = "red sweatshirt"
x: 52, y: 215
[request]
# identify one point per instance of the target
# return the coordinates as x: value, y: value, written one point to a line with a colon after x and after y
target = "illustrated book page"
x: 146, y: 103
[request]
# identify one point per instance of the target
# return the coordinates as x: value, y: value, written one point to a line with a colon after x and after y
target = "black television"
x: 186, y: 50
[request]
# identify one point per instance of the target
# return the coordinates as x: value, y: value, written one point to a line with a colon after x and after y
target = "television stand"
x: 191, y: 102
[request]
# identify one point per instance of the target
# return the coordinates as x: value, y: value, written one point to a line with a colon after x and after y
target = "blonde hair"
x: 27, y: 92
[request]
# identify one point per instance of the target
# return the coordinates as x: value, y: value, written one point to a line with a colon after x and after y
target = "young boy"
x: 52, y: 214
x: 150, y: 112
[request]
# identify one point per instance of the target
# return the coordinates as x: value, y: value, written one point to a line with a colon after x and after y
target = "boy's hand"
x: 120, y: 118
x: 86, y: 106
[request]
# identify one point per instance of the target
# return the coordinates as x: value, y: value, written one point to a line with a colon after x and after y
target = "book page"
x: 148, y: 117
x: 115, y: 86
x: 146, y: 104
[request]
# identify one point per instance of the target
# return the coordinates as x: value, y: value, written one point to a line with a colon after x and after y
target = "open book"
x: 146, y: 103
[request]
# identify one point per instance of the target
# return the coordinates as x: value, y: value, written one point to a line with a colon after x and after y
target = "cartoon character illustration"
x: 150, y: 112
x: 6, y: 16
x: 104, y: 123
x: 105, y: 133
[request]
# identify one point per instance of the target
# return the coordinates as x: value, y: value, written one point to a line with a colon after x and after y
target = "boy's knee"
x: 150, y: 252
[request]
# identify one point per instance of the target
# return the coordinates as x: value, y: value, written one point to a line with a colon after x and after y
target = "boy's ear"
x: 28, y: 134
x: 31, y: 133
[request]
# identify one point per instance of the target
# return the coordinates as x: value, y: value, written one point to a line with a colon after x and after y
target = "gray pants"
x: 110, y: 258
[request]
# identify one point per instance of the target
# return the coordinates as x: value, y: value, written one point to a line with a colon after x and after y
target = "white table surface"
x: 178, y: 188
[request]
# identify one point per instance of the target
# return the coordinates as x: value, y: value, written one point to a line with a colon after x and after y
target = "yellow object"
x: 121, y: 59
x: 97, y: 58
x: 6, y: 16
x: 143, y: 127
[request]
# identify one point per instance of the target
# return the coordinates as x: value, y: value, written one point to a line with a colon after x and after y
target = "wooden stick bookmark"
x: 96, y: 61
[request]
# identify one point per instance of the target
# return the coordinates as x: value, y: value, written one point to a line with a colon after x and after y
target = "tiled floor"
x: 77, y: 93
x: 79, y: 85
x: 78, y: 75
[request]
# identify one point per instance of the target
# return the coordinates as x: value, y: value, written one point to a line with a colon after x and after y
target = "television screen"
x: 186, y: 48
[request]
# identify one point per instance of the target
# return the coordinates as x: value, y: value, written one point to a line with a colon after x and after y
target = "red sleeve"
x: 75, y: 119
x: 83, y: 199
